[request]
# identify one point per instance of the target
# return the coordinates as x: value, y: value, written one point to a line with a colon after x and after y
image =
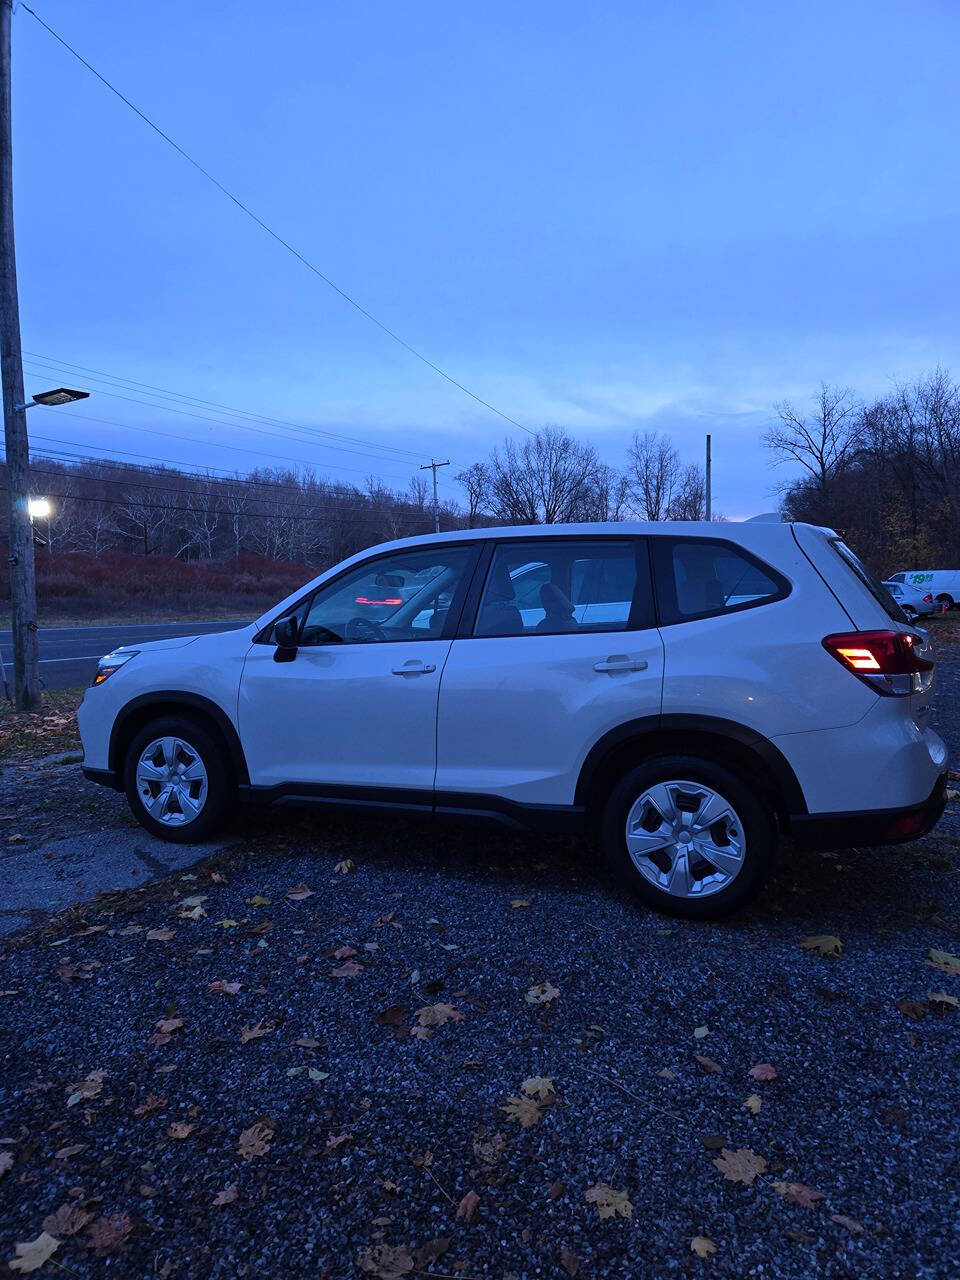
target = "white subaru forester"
x: 689, y: 692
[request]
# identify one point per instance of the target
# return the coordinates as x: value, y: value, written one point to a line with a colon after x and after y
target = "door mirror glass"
x: 286, y: 633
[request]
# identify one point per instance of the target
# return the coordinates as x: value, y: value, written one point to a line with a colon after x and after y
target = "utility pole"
x: 707, y: 493
x: 432, y: 466
x: 23, y: 584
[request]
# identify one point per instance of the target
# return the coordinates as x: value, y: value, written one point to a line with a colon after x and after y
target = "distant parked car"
x: 914, y: 602
x: 943, y: 584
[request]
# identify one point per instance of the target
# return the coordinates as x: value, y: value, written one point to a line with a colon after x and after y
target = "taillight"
x: 928, y: 598
x: 895, y: 663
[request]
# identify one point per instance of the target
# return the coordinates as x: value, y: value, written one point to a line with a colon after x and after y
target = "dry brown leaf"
x: 742, y: 1165
x: 824, y: 944
x: 468, y: 1206
x: 86, y: 1089
x: 68, y: 1220
x: 151, y: 1103
x: 107, y: 1234
x: 221, y: 988
x: 609, y: 1201
x: 345, y: 867
x: 702, y: 1246
x: 542, y: 993
x: 912, y: 1009
x: 797, y: 1193
x: 307, y: 1042
x: 519, y: 903
x: 349, y: 969
x: 708, y: 1064
x: 386, y: 1261
x: 254, y: 1033
x: 851, y: 1224
x: 64, y: 1153
x: 540, y: 1087
x: 337, y: 1140
x: 255, y: 1141
x: 159, y: 935
x: 944, y: 961
x: 226, y: 1196
x: 299, y: 892
x: 438, y: 1015
x: 180, y: 1130
x: 763, y: 1071
x: 753, y: 1104
x: 32, y: 1254
x: 570, y: 1262
x: 942, y: 1000
x: 526, y: 1111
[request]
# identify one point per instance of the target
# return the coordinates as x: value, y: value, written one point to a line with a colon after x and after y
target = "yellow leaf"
x: 541, y: 1087
x: 542, y: 993
x: 609, y: 1201
x: 824, y: 944
x: 702, y: 1246
x: 34, y: 1253
x: 753, y: 1104
x: 945, y: 962
x: 742, y: 1165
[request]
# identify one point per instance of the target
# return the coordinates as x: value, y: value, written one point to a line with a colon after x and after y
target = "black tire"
x: 943, y: 598
x: 910, y: 613
x: 210, y: 752
x: 756, y: 817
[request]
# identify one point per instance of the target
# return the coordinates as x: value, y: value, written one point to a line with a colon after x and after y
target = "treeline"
x: 886, y: 473
x: 99, y: 507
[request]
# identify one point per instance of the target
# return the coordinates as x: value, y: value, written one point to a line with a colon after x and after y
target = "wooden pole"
x: 23, y: 584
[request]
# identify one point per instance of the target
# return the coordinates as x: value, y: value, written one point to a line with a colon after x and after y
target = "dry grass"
x: 26, y: 735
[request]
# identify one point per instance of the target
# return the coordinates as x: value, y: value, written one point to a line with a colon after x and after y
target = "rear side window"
x: 873, y: 585
x: 702, y: 578
x: 560, y: 585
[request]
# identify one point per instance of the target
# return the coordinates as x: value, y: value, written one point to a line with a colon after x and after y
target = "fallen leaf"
x: 490, y: 1148
x: 702, y: 1246
x: 258, y: 900
x: 107, y: 1234
x: 609, y: 1201
x: 307, y: 1042
x: 526, y: 1111
x: 255, y: 1141
x: 851, y: 1224
x: 519, y: 903
x: 797, y: 1193
x: 151, y: 1103
x: 6, y: 1162
x: 316, y: 1075
x: 570, y: 1262
x: 192, y: 913
x: 741, y: 1165
x: 254, y: 1033
x: 541, y: 1087
x: 337, y: 1140
x: 944, y: 961
x: 64, y: 1153
x: 386, y: 1261
x: 708, y: 1064
x: 542, y: 993
x: 395, y: 1016
x: 68, y: 1220
x: 942, y: 1000
x: 34, y: 1253
x: 298, y: 893
x: 700, y: 1033
x: 753, y: 1104
x: 438, y: 1015
x: 468, y: 1206
x: 166, y: 1026
x: 221, y: 988
x: 226, y: 1196
x: 345, y: 867
x: 911, y: 1008
x: 159, y: 935
x: 85, y: 1089
x: 431, y: 1251
x: 799, y: 1237
x: 763, y: 1071
x: 349, y: 969
x: 180, y: 1130
x: 555, y: 1190
x: 824, y: 944
x: 344, y: 953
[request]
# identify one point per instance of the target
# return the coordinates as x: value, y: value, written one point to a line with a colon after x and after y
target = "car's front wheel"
x: 688, y: 836
x: 177, y: 779
x: 910, y: 613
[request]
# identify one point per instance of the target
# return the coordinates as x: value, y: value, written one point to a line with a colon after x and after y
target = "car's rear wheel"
x: 943, y: 598
x: 688, y: 836
x: 177, y: 779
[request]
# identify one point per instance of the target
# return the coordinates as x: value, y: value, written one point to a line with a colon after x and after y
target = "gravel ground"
x: 375, y: 1128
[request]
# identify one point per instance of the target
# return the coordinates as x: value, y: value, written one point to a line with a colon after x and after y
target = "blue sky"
x: 612, y: 217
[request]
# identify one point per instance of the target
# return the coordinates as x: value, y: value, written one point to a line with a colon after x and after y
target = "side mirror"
x: 285, y: 635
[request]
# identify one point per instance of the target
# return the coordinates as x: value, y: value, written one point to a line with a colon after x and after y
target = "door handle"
x: 414, y: 668
x: 620, y: 662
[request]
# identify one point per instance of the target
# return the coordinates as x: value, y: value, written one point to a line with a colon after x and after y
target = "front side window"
x: 558, y: 585
x: 699, y: 578
x: 403, y: 596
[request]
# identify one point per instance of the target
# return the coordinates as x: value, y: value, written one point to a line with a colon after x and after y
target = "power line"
x: 270, y: 231
x: 167, y: 393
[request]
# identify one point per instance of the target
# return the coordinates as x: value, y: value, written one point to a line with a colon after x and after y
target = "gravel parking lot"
x: 346, y: 1048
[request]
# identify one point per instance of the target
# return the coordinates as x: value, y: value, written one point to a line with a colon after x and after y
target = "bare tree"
x: 419, y: 491
x: 475, y: 479
x: 142, y: 519
x: 654, y: 470
x: 688, y: 501
x: 606, y: 496
x: 822, y: 443
x: 544, y: 480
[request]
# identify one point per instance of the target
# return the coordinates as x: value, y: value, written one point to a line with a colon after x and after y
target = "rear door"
x: 536, y: 677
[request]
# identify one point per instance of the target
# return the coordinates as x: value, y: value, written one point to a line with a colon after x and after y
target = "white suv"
x: 689, y: 692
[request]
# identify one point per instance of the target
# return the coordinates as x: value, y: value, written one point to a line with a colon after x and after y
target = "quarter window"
x: 559, y: 585
x: 697, y: 578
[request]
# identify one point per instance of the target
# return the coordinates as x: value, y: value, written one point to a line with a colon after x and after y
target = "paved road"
x: 68, y: 655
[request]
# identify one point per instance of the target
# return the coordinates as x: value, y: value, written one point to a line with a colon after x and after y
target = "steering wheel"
x: 364, y: 630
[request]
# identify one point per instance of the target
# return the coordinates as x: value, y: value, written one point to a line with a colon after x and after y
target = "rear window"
x: 701, y: 578
x: 873, y: 584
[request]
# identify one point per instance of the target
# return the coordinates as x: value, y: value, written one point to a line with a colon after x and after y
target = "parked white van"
x: 944, y: 584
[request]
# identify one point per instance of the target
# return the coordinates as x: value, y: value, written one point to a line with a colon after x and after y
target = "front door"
x: 357, y: 705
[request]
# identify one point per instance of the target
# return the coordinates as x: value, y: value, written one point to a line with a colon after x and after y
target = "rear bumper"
x: 877, y: 826
x: 106, y: 777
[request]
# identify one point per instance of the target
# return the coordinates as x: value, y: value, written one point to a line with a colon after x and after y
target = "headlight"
x: 112, y: 662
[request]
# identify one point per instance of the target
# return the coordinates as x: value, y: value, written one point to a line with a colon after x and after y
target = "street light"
x: 59, y: 395
x: 39, y: 508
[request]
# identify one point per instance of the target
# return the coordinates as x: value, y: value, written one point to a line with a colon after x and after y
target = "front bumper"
x: 106, y: 777
x: 878, y: 826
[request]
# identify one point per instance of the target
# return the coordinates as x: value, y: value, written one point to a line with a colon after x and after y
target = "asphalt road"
x: 69, y: 655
